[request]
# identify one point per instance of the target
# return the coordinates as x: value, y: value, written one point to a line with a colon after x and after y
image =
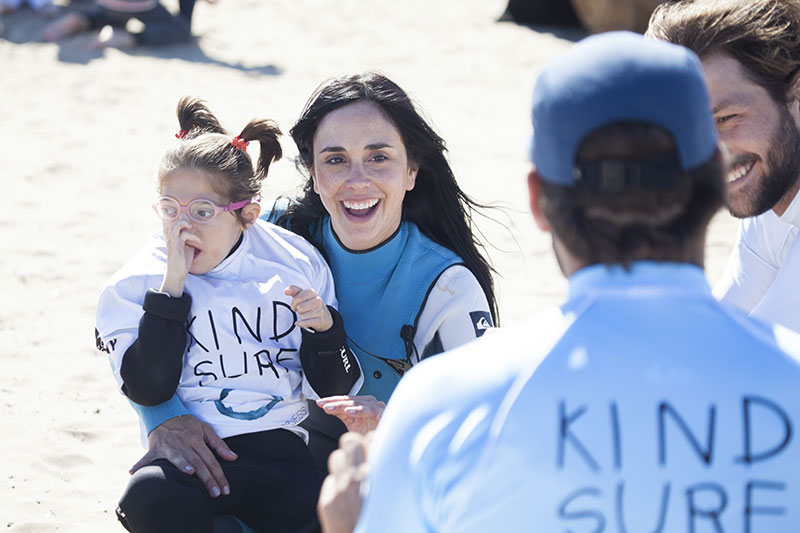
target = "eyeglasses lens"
x: 168, y: 209
x: 202, y: 211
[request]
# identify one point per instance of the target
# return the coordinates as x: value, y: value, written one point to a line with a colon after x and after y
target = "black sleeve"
x: 151, y: 367
x: 328, y: 363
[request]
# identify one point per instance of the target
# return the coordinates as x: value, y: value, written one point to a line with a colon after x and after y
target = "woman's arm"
x: 455, y: 313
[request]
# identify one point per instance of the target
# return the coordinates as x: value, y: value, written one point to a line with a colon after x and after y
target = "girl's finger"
x: 292, y: 290
x: 302, y: 320
x: 179, y: 225
x: 309, y: 308
x: 186, y: 236
x: 304, y: 296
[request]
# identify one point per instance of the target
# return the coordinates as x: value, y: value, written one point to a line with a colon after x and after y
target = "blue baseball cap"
x: 619, y: 77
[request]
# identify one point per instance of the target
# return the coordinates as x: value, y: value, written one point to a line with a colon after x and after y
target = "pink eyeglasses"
x: 199, y: 210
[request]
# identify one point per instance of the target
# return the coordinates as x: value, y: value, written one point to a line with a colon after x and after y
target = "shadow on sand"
x: 26, y: 26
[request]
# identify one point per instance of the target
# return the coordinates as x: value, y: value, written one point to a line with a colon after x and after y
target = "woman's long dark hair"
x: 436, y: 204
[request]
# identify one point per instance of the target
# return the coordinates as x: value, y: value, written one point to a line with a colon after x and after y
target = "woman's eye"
x: 379, y: 157
x: 334, y: 160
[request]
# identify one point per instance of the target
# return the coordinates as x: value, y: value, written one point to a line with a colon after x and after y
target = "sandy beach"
x: 81, y: 133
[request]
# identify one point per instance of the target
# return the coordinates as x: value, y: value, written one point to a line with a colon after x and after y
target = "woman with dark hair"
x: 383, y: 206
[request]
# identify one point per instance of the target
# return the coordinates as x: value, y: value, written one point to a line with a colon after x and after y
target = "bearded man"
x: 750, y: 54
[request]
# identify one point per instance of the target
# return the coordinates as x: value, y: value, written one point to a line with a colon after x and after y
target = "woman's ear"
x: 535, y: 192
x: 250, y: 214
x: 411, y: 178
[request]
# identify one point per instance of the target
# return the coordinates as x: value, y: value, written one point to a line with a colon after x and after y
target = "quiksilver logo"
x: 481, y: 321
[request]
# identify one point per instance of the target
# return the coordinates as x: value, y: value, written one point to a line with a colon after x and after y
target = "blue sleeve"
x: 152, y: 417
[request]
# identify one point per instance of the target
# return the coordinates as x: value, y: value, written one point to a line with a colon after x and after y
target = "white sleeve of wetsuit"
x: 455, y: 312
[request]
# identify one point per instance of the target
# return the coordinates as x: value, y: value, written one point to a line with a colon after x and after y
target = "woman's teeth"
x: 360, y: 206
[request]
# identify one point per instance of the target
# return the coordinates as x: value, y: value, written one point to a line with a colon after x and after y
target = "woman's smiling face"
x: 361, y: 172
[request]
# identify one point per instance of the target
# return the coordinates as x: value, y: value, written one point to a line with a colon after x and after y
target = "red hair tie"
x: 240, y: 144
x: 181, y: 134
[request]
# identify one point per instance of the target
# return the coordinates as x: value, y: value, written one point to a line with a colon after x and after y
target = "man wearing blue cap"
x: 750, y: 54
x: 641, y: 404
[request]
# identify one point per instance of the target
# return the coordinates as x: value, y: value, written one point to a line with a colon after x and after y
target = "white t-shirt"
x: 762, y: 275
x: 241, y: 370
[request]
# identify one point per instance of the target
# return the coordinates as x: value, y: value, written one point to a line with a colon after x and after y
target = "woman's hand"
x: 189, y: 445
x: 311, y: 310
x: 179, y: 255
x: 360, y: 414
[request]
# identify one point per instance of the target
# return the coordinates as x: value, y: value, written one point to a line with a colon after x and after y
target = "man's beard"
x: 782, y: 170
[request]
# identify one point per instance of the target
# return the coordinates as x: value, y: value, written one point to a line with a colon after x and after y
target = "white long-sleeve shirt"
x: 762, y: 275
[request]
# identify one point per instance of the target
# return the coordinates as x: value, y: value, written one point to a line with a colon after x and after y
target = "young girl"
x: 236, y: 315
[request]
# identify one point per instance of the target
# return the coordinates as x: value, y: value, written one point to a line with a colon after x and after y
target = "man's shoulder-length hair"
x: 763, y: 35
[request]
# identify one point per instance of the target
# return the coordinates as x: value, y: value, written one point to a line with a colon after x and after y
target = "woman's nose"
x: 358, y: 177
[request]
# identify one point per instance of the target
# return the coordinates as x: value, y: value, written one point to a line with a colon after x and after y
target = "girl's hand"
x: 311, y: 310
x: 359, y: 413
x: 179, y: 256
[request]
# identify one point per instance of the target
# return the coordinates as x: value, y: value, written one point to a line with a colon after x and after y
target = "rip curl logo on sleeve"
x: 481, y: 321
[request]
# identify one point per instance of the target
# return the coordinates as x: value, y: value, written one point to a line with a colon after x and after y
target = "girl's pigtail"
x: 195, y: 118
x: 266, y: 132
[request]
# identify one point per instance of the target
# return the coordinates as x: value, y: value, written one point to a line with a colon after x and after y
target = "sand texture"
x: 81, y: 133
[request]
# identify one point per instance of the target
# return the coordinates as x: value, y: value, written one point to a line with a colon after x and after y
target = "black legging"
x: 160, y: 26
x: 274, y: 487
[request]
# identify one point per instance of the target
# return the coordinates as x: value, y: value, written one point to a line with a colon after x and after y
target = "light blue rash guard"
x: 381, y: 293
x: 642, y: 404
